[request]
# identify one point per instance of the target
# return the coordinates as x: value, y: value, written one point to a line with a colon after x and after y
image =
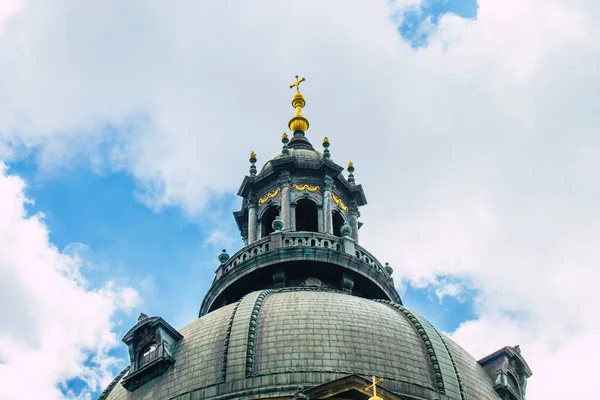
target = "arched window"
x: 267, y: 220
x: 338, y: 222
x: 147, y: 354
x: 306, y: 216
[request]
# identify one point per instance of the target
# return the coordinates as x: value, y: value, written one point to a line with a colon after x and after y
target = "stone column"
x: 328, y: 217
x: 353, y: 215
x: 285, y: 206
x: 251, y: 220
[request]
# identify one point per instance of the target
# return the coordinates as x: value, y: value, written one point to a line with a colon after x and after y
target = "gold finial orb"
x: 350, y: 164
x: 325, y: 140
x: 284, y: 136
x: 252, y: 155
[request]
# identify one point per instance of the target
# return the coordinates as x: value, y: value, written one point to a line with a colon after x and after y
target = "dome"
x: 306, y: 157
x: 276, y: 340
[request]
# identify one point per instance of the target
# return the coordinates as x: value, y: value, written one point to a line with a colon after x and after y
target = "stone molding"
x: 251, y: 343
x: 226, y: 346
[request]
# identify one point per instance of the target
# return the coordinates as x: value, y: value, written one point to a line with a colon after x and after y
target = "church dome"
x: 274, y: 340
x: 302, y: 311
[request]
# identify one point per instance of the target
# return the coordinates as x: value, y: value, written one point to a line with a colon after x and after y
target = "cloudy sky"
x: 125, y: 129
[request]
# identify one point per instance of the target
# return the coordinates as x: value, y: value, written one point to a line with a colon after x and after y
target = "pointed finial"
x: 284, y: 139
x: 252, y: 164
x: 142, y: 317
x: 298, y: 123
x: 350, y: 172
x: 326, y: 153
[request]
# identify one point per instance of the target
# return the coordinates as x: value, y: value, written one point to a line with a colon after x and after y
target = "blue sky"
x: 474, y: 145
x: 430, y: 12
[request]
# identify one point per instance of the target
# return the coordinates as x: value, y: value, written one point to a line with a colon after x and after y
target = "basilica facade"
x: 303, y: 311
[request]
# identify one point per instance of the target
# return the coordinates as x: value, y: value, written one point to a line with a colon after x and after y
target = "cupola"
x: 299, y: 221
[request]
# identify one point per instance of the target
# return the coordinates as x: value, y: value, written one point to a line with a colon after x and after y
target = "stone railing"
x: 312, y: 239
x: 368, y: 258
x: 282, y: 240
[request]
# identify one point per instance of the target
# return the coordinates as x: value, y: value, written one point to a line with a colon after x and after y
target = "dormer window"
x: 509, y: 372
x: 152, y: 343
x: 147, y: 355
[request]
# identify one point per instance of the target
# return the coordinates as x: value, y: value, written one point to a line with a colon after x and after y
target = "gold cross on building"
x: 374, y: 388
x: 297, y: 84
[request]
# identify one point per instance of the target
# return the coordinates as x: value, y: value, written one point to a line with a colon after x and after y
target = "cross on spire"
x: 374, y: 386
x: 297, y: 84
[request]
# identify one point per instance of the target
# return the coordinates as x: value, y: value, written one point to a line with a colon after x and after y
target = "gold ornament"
x: 271, y: 195
x: 298, y: 122
x: 339, y: 202
x: 374, y: 388
x: 307, y: 187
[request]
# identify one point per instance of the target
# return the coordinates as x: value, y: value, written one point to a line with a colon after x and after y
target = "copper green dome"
x: 274, y: 340
x: 303, y: 156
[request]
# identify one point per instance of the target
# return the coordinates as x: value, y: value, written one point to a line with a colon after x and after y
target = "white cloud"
x: 57, y: 326
x: 477, y: 153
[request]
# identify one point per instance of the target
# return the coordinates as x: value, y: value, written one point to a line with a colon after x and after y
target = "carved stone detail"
x: 226, y: 347
x: 252, y: 331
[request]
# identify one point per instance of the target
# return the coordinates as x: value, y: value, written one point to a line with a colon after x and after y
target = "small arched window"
x: 267, y: 220
x: 147, y: 355
x: 338, y: 222
x: 306, y: 216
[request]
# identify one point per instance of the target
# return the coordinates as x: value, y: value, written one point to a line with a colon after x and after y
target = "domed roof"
x: 275, y: 340
x: 304, y: 156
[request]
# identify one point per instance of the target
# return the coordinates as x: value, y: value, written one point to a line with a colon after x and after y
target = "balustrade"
x: 297, y: 239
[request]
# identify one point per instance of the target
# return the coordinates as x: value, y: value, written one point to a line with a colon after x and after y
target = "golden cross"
x: 374, y: 385
x: 297, y: 84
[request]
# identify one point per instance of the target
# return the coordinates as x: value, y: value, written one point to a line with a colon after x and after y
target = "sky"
x: 125, y: 129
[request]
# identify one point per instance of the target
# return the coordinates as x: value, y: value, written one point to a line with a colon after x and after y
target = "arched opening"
x: 306, y: 216
x: 147, y: 355
x: 267, y: 220
x: 338, y: 222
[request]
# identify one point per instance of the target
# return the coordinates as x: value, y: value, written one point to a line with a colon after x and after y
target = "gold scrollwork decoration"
x: 307, y: 187
x: 339, y: 202
x: 269, y: 196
